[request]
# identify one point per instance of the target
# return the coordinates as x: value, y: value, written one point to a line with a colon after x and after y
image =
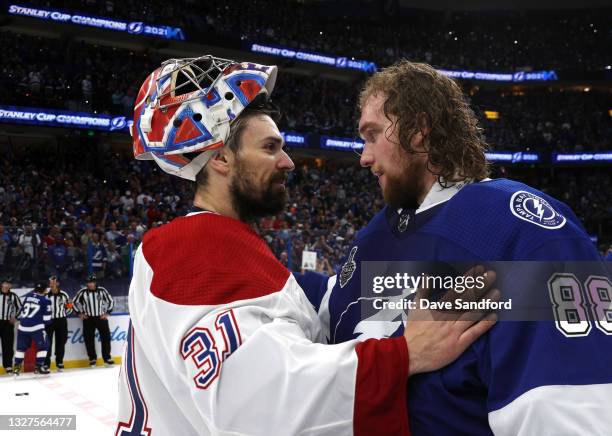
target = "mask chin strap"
x: 191, y: 170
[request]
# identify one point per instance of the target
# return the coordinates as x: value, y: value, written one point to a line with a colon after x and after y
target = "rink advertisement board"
x: 317, y: 58
x: 513, y: 157
x: 75, y: 346
x: 344, y: 144
x: 295, y: 139
x: 602, y: 156
x: 59, y: 118
x: 133, y: 27
x: 517, y: 76
x: 110, y: 123
x: 75, y: 352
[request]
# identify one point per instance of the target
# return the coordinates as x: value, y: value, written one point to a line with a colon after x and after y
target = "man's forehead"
x: 372, y: 111
x: 263, y: 127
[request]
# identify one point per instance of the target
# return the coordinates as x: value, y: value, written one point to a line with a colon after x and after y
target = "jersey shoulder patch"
x: 534, y: 209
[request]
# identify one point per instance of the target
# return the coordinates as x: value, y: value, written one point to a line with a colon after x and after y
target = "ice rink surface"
x: 90, y: 394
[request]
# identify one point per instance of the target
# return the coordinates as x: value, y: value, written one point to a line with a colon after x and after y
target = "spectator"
x: 96, y: 255
x: 57, y: 257
x: 114, y: 264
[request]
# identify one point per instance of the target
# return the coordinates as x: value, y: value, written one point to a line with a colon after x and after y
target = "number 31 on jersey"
x: 201, y: 344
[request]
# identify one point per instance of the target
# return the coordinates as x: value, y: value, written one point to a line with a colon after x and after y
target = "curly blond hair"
x: 416, y: 94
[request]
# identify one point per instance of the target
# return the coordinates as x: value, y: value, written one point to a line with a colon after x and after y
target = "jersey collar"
x: 195, y: 210
x: 439, y: 194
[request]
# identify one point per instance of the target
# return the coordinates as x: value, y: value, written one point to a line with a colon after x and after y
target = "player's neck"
x: 430, y: 180
x: 215, y: 203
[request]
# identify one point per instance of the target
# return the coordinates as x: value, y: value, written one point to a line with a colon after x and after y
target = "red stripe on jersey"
x: 209, y: 259
x: 380, y: 390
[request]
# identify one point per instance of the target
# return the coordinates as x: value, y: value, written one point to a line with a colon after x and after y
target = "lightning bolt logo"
x: 539, y: 208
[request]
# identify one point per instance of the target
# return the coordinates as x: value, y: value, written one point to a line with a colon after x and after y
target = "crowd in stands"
x: 489, y: 40
x: 546, y: 120
x: 92, y: 78
x: 60, y: 219
x: 89, y: 212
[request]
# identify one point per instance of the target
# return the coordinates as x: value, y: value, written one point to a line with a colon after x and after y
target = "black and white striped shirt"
x: 58, y: 304
x: 93, y: 303
x: 10, y: 305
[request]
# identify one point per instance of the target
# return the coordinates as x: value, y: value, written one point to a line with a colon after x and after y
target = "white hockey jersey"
x: 223, y: 341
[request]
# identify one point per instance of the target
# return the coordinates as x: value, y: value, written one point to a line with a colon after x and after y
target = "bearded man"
x: 222, y: 339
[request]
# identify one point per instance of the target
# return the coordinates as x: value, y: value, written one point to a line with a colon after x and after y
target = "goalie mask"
x: 185, y: 107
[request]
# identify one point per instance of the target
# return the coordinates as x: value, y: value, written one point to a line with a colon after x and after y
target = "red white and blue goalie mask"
x: 184, y: 109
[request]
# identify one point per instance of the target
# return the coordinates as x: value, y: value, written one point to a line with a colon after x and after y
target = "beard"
x: 251, y: 203
x: 406, y: 189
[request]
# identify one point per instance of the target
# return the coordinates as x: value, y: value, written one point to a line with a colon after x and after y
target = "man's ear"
x: 424, y: 127
x: 222, y: 162
x: 424, y: 123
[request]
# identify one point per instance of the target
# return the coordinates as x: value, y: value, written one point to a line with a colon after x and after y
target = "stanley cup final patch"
x: 534, y: 209
x: 348, y: 268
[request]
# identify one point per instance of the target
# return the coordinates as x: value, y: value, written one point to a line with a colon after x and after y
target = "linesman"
x: 61, y: 307
x: 94, y: 303
x: 10, y: 306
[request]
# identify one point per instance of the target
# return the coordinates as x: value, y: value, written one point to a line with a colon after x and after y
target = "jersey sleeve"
x: 252, y: 365
x: 344, y: 388
x: 67, y: 303
x: 47, y: 311
x: 110, y: 302
x: 18, y: 305
x: 78, y: 304
x: 318, y: 289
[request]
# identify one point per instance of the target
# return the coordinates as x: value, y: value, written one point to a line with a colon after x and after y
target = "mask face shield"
x: 186, y: 106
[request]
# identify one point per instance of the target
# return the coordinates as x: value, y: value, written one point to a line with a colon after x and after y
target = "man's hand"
x: 13, y: 320
x: 104, y: 316
x: 436, y: 338
x: 83, y: 316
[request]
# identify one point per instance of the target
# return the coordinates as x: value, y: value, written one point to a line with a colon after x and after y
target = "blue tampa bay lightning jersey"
x: 35, y: 312
x: 540, y: 377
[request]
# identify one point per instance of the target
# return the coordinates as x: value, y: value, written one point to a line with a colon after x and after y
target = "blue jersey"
x: 532, y: 377
x: 35, y: 312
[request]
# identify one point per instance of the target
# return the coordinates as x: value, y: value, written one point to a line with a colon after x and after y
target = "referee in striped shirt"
x: 61, y: 306
x: 94, y: 304
x: 10, y: 306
